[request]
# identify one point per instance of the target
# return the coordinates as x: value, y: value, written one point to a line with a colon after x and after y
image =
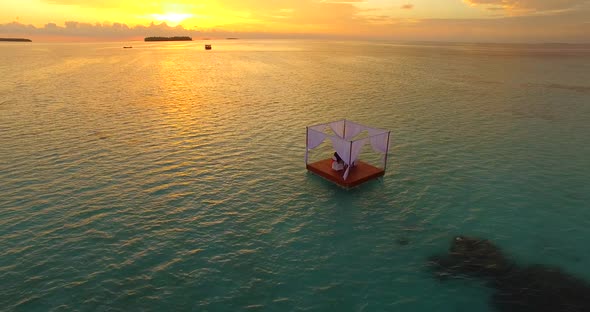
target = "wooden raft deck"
x: 359, y: 174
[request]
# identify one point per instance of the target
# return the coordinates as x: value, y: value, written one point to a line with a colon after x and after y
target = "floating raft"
x: 348, y: 139
x: 359, y: 174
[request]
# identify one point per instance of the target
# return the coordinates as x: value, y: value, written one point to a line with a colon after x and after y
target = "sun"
x: 171, y: 18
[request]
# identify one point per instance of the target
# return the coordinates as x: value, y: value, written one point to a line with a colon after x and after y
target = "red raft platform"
x: 359, y: 174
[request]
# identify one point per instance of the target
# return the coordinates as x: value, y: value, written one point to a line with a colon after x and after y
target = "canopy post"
x: 386, y: 152
x: 344, y: 129
x: 306, y: 139
x: 349, y: 154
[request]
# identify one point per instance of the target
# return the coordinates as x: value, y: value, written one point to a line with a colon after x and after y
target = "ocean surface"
x: 166, y: 177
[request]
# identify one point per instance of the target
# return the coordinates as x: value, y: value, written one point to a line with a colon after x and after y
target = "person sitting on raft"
x: 337, y: 162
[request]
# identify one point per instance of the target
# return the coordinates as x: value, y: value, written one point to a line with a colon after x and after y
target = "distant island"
x: 16, y: 39
x: 176, y: 38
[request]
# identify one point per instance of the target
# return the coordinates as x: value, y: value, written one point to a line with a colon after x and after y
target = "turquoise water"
x: 166, y: 177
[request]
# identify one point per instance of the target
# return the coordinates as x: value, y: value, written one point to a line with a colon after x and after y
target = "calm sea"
x: 166, y: 177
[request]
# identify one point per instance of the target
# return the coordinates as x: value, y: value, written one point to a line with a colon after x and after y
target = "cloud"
x: 407, y: 6
x: 248, y: 15
x: 97, y: 30
x: 515, y: 29
x: 530, y: 6
x: 88, y: 4
x: 79, y: 31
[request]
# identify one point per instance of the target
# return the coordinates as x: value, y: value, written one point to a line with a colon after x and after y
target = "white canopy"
x: 344, y: 141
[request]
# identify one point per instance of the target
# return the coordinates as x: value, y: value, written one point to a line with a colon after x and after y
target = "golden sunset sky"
x: 450, y: 20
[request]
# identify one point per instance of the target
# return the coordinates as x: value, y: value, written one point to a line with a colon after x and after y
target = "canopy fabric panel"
x: 379, y: 139
x: 320, y: 127
x: 352, y: 129
x: 338, y: 128
x: 315, y: 138
x: 342, y: 147
x: 355, y: 150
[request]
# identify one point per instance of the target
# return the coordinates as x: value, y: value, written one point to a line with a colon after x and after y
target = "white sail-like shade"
x: 342, y: 147
x: 355, y: 150
x: 315, y: 138
x: 379, y: 139
x: 319, y: 128
x: 338, y: 128
x: 352, y: 129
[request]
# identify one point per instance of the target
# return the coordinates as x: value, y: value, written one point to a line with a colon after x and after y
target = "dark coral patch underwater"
x: 516, y: 288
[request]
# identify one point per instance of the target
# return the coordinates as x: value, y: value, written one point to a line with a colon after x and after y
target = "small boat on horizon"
x: 127, y: 47
x: 207, y: 47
